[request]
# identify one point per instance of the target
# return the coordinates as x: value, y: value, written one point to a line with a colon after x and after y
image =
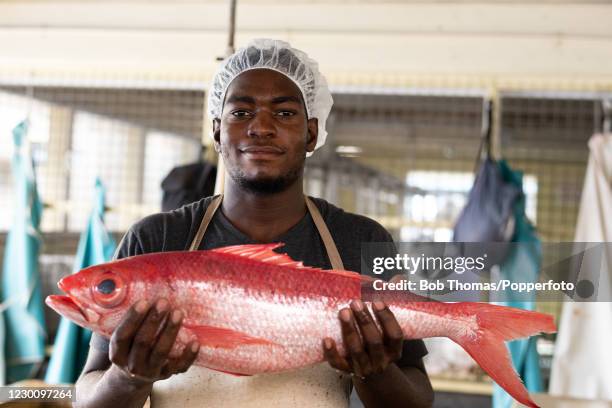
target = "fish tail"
x: 496, y: 324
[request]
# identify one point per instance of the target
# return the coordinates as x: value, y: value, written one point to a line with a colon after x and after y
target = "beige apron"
x: 319, y: 386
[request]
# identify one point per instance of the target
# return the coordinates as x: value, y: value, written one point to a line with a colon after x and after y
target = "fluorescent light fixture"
x: 353, y: 150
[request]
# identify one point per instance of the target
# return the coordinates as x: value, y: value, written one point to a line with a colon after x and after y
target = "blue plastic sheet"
x: 20, y: 292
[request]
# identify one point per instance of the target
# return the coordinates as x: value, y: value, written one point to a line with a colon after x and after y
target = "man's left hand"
x: 369, y: 349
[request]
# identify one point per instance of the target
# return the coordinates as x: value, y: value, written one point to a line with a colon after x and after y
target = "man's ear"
x: 313, y: 134
x: 217, y: 134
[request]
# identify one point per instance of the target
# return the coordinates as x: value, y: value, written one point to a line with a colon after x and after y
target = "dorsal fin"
x: 265, y: 253
x: 262, y: 253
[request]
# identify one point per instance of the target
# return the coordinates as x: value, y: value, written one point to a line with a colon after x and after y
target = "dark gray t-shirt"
x: 175, y: 230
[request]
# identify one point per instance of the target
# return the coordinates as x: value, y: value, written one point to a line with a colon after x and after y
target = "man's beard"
x: 266, y: 185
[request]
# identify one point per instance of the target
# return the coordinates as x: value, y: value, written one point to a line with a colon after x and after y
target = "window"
x: 112, y: 150
x: 437, y: 199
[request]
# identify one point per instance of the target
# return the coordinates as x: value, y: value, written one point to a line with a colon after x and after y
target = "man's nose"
x: 262, y: 125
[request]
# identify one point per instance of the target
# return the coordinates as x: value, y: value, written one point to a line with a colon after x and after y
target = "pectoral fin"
x: 218, y: 337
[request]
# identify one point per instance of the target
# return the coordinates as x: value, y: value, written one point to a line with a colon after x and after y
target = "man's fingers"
x: 353, y: 344
x: 190, y: 353
x: 166, y: 339
x: 333, y: 357
x: 145, y: 338
x: 372, y: 336
x: 182, y: 363
x: 392, y: 331
x: 123, y: 336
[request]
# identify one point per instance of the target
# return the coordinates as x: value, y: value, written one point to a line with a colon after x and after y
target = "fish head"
x: 97, y: 297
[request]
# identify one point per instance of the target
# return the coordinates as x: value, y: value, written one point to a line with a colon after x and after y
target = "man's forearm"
x: 395, y: 387
x: 110, y: 388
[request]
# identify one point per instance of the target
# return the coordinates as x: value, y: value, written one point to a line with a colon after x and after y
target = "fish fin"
x: 230, y: 373
x: 219, y: 337
x: 487, y: 348
x: 349, y: 274
x: 262, y: 253
x: 265, y: 253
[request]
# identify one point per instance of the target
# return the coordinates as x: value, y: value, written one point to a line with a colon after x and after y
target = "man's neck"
x: 263, y: 217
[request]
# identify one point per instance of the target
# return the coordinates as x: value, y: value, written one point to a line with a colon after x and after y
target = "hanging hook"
x: 487, y: 123
x: 485, y: 132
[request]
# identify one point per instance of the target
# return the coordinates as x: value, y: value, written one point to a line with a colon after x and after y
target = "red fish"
x: 257, y: 311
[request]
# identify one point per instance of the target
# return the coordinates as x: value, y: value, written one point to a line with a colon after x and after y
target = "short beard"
x: 266, y: 185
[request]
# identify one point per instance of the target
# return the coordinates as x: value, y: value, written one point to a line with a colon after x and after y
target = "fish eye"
x: 107, y: 286
x: 109, y: 290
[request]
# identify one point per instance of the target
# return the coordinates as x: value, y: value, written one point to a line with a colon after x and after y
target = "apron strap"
x: 328, y: 241
x: 208, y: 215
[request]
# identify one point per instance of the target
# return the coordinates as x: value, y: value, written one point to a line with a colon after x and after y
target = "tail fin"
x: 496, y: 324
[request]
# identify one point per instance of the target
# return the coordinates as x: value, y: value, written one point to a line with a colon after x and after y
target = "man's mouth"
x: 267, y: 150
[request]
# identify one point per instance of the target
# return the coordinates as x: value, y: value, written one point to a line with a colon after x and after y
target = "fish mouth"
x: 66, y: 306
x: 70, y: 307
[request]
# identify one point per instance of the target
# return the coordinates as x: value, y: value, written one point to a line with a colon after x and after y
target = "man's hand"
x: 141, y: 344
x: 372, y: 351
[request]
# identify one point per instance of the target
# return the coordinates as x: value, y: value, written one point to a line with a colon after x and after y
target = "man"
x: 269, y: 105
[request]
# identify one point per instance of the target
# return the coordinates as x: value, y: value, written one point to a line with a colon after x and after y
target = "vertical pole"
x: 219, y: 183
x: 232, y: 29
x: 54, y: 173
x: 607, y: 115
x: 496, y: 117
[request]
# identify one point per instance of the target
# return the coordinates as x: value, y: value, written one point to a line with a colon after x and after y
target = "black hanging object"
x: 489, y: 209
x: 489, y: 213
x: 189, y: 183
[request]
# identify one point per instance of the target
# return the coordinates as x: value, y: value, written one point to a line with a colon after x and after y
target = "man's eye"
x: 241, y: 113
x: 285, y: 113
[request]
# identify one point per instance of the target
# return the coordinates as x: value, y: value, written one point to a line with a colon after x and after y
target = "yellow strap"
x: 328, y: 241
x: 208, y: 215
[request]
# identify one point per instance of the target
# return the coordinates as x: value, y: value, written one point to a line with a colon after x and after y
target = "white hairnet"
x: 281, y: 57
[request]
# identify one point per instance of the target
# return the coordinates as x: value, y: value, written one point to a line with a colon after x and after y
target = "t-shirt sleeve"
x: 99, y: 343
x: 129, y: 246
x: 412, y: 352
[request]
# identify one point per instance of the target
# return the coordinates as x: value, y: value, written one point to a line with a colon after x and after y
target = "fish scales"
x: 293, y: 310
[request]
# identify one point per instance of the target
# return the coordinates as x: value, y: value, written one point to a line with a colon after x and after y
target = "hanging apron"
x: 318, y: 386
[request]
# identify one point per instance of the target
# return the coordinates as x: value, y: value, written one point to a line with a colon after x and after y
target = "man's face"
x: 263, y: 134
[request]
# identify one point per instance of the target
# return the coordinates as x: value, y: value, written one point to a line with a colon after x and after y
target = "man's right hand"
x: 140, y: 345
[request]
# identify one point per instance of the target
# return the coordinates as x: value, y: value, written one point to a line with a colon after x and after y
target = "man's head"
x: 264, y: 132
x: 269, y: 106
